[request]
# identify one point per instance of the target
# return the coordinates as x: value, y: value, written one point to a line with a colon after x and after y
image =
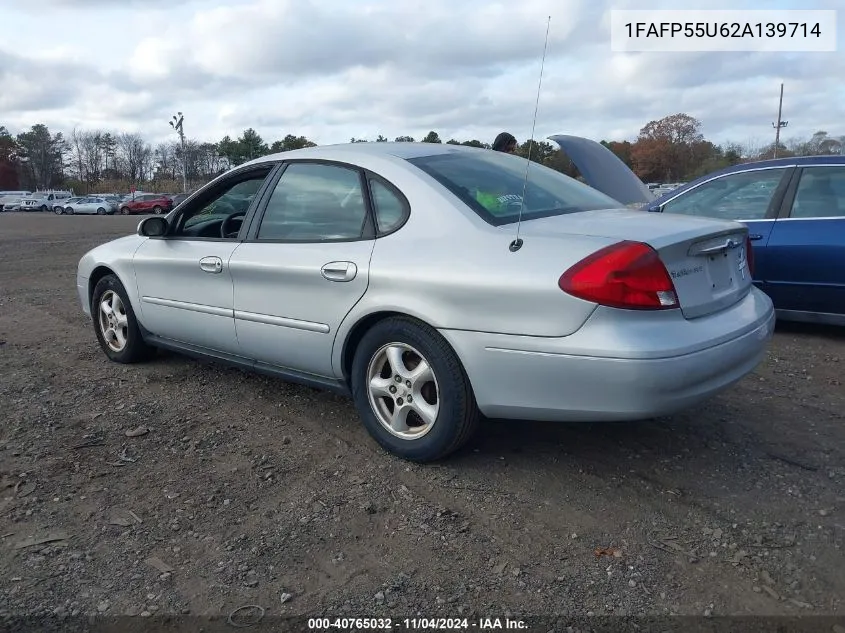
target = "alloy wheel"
x: 114, y: 324
x: 403, y: 391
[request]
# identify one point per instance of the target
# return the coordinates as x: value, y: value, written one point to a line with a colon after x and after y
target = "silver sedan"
x: 88, y: 206
x: 59, y: 205
x: 435, y: 284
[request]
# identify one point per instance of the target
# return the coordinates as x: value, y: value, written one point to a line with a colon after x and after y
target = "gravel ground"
x: 247, y: 490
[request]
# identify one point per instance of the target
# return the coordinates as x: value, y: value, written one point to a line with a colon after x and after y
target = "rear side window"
x: 390, y: 208
x: 821, y: 193
x: 491, y: 183
x: 315, y: 202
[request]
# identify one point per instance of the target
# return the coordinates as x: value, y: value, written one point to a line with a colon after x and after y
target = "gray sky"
x: 333, y: 69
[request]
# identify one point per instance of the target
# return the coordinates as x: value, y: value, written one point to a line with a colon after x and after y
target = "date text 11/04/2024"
x: 723, y: 29
x: 415, y: 624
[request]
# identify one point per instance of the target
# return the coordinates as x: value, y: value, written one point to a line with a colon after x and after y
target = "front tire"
x: 157, y: 210
x: 59, y: 210
x: 411, y: 391
x: 44, y: 208
x: 124, y: 211
x: 101, y: 211
x: 115, y: 324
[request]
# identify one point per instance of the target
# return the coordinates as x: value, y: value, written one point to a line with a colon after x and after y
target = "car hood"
x: 603, y: 170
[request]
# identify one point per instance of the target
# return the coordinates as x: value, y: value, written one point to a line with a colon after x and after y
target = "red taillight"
x: 749, y: 255
x: 626, y: 275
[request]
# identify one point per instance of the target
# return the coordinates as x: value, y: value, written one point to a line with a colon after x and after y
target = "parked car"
x: 43, y: 200
x: 434, y: 283
x: 178, y: 198
x: 147, y: 203
x: 11, y: 200
x: 90, y: 205
x: 113, y: 200
x: 59, y: 206
x: 795, y: 210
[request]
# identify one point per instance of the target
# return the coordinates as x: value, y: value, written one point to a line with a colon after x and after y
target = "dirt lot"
x: 247, y: 490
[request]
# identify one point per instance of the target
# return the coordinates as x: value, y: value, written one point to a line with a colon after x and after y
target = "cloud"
x: 282, y: 40
x: 333, y: 69
x: 30, y: 84
x: 121, y: 5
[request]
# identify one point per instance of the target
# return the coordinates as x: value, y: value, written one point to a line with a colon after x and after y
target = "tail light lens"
x: 749, y: 255
x: 626, y: 275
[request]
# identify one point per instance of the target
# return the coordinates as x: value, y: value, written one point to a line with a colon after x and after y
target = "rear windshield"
x: 491, y: 184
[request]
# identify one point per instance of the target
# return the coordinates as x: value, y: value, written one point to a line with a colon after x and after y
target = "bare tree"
x: 77, y: 154
x: 132, y: 150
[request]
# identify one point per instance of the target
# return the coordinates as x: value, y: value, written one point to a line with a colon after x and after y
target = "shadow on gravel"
x: 721, y: 437
x: 746, y: 429
x: 811, y: 329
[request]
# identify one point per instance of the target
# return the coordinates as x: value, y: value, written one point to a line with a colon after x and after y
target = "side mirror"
x: 155, y: 226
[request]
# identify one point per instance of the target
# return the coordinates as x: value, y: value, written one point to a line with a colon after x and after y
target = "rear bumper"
x: 627, y: 366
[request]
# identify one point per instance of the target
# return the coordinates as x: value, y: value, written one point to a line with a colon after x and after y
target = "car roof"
x: 353, y: 150
x: 791, y: 161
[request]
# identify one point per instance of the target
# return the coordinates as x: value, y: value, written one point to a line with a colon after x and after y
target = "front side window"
x: 231, y: 198
x: 315, y: 202
x: 820, y: 193
x: 491, y: 183
x: 741, y: 196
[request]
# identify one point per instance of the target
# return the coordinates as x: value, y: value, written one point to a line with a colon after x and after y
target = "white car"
x: 11, y: 200
x: 44, y: 200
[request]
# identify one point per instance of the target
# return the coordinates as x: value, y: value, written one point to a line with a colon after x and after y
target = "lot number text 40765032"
x: 415, y: 624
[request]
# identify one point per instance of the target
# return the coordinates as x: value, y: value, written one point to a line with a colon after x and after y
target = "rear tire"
x: 157, y: 210
x: 101, y: 211
x: 124, y: 211
x: 445, y: 398
x: 44, y: 208
x: 117, y: 328
x: 59, y: 210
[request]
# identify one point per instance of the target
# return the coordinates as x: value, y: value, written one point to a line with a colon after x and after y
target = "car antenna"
x: 517, y: 243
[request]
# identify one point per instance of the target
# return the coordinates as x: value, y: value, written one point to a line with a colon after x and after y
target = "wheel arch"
x: 357, y: 332
x: 364, y: 324
x: 102, y: 270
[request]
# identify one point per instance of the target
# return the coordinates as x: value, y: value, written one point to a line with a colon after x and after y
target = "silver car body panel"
x: 178, y: 300
x: 659, y: 364
x: 605, y: 171
x: 529, y: 349
x: 89, y: 205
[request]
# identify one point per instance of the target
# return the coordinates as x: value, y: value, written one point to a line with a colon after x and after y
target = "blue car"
x: 795, y: 212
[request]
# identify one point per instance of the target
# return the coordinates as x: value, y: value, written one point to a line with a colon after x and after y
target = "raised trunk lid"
x: 603, y: 170
x: 706, y: 258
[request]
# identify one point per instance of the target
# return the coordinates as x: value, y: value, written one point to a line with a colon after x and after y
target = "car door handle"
x: 339, y: 271
x: 211, y: 264
x: 755, y: 237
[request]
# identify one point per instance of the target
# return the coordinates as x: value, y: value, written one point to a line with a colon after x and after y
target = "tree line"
x: 670, y: 149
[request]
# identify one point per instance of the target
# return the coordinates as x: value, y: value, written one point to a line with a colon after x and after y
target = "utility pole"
x: 780, y: 124
x: 176, y: 124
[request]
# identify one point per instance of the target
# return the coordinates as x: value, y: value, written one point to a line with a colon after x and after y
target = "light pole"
x: 176, y: 124
x: 780, y: 124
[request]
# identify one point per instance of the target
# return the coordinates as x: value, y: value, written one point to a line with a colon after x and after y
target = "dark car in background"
x: 795, y: 211
x: 147, y: 203
x: 178, y: 198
